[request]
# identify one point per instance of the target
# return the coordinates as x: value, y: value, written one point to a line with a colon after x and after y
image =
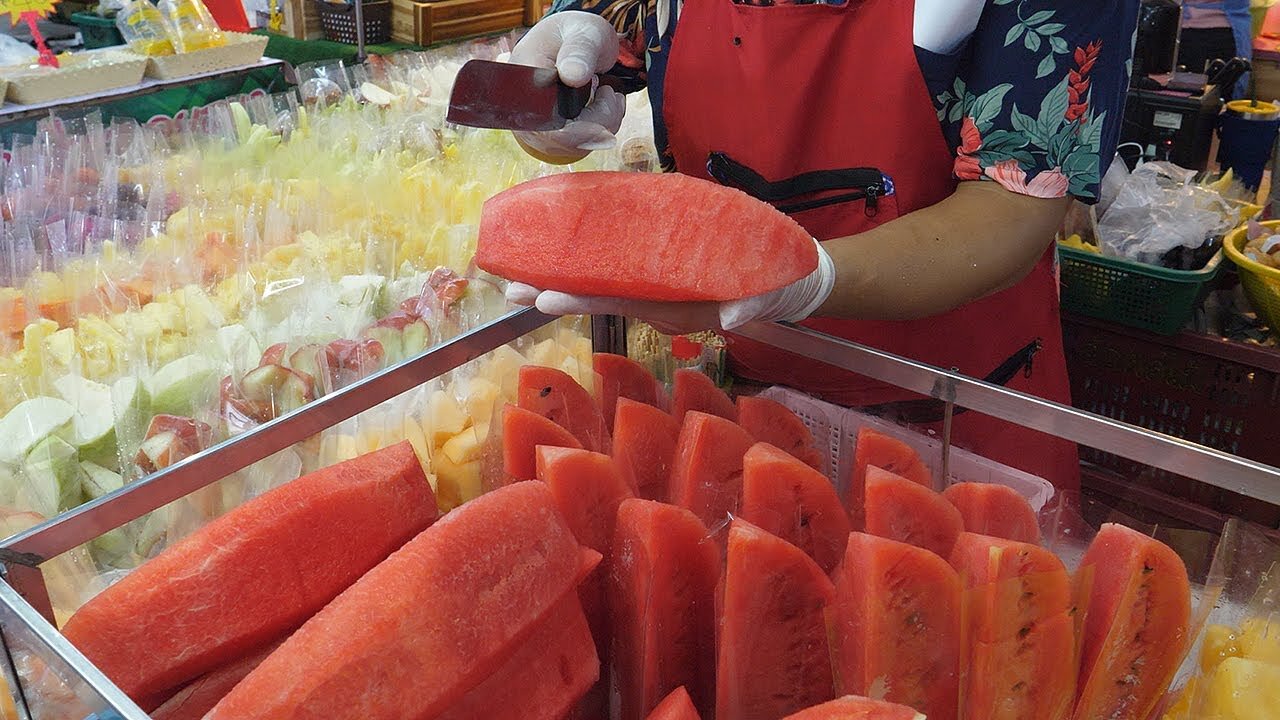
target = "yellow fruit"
x: 445, y: 418
x: 1181, y: 708
x: 463, y: 447
x: 1260, y: 639
x: 1220, y: 643
x: 33, y: 335
x: 1243, y: 689
x: 547, y: 353
x: 482, y: 396
x: 503, y: 369
x: 60, y: 347
x: 455, y: 484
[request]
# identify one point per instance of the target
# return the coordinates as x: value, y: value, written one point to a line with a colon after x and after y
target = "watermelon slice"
x: 896, y: 626
x: 644, y: 446
x: 1137, y: 626
x: 909, y: 512
x: 198, y: 698
x: 707, y: 475
x: 771, y: 422
x: 875, y: 449
x: 622, y: 377
x: 676, y: 706
x: 556, y: 396
x: 662, y: 578
x: 251, y: 576
x: 522, y: 432
x: 554, y: 234
x: 994, y: 510
x: 694, y: 391
x: 774, y: 658
x: 430, y: 623
x: 783, y: 496
x: 852, y: 707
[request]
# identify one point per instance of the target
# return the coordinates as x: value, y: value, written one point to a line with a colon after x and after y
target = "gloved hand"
x: 792, y: 303
x: 578, y: 45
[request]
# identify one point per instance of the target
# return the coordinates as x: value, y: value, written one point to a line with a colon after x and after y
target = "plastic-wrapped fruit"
x: 1243, y: 689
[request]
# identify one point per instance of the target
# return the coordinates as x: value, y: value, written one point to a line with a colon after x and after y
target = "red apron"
x: 767, y: 95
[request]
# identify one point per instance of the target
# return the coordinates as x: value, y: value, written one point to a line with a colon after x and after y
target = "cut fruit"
x: 773, y: 657
x: 97, y: 481
x: 784, y: 496
x: 31, y: 421
x: 556, y: 396
x: 772, y: 422
x: 428, y: 624
x: 896, y: 626
x: 198, y: 698
x: 53, y: 474
x: 707, y: 475
x: 694, y: 391
x: 252, y: 575
x: 852, y: 707
x: 522, y: 432
x: 1137, y: 625
x: 1243, y: 689
x: 994, y: 510
x: 676, y: 706
x: 622, y: 377
x: 93, y: 427
x: 277, y: 389
x: 1012, y: 585
x: 180, y: 387
x: 875, y: 449
x: 644, y: 446
x: 662, y: 575
x: 444, y: 418
x: 550, y: 233
x: 902, y: 510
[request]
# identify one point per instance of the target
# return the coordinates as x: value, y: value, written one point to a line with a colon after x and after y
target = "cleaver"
x: 504, y: 96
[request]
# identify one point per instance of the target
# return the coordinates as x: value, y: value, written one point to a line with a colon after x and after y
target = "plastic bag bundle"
x: 1160, y: 209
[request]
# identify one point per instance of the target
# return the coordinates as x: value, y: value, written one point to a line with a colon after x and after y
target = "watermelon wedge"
x: 662, y: 579
x: 556, y: 396
x: 707, y: 475
x: 1137, y: 626
x: 852, y: 707
x: 522, y: 432
x: 622, y: 377
x: 551, y: 233
x: 676, y: 706
x: 644, y: 446
x: 783, y: 496
x: 896, y: 626
x: 771, y: 422
x: 694, y: 391
x: 253, y: 575
x: 198, y: 698
x: 773, y: 658
x: 994, y: 510
x: 427, y: 625
x: 899, y: 509
x: 875, y: 449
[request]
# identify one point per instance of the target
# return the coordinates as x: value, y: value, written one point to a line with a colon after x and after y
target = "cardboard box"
x: 434, y: 21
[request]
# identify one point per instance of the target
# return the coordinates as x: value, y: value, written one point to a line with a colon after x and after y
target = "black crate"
x: 338, y: 20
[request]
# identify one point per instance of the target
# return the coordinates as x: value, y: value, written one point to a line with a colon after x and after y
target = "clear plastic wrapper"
x: 1160, y: 209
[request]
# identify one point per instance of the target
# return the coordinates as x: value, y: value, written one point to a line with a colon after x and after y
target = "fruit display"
x: 744, y: 587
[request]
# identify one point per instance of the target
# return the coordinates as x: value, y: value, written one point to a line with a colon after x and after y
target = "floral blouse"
x: 1030, y: 93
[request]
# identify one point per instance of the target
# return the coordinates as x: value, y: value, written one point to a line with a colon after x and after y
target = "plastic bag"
x: 15, y: 52
x: 1112, y: 183
x: 1160, y: 209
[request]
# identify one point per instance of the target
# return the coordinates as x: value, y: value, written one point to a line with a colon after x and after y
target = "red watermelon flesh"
x: 644, y: 446
x: 908, y: 512
x: 198, y: 698
x: 423, y: 628
x: 543, y: 678
x: 773, y: 658
x: 783, y: 496
x: 896, y: 626
x: 875, y: 449
x: 771, y: 422
x: 994, y: 510
x: 1137, y: 627
x: 676, y: 706
x: 707, y: 475
x: 253, y: 575
x: 694, y: 391
x: 522, y: 432
x: 553, y: 233
x: 852, y: 707
x: 622, y: 377
x: 1012, y: 585
x: 556, y: 396
x: 662, y: 575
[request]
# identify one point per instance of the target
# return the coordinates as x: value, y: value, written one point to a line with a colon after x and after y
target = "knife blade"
x: 506, y: 96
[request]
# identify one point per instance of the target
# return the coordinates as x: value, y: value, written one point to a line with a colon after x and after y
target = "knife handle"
x: 571, y: 101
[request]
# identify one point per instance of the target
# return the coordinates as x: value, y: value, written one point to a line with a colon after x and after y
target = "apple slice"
x: 180, y: 387
x: 31, y: 421
x: 278, y: 388
x: 132, y: 408
x: 241, y: 351
x: 318, y: 362
x: 52, y: 469
x: 274, y: 354
x: 415, y: 338
x: 356, y: 359
x: 97, y: 481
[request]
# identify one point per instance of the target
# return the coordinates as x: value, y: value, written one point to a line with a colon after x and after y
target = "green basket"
x: 97, y: 31
x: 1130, y: 293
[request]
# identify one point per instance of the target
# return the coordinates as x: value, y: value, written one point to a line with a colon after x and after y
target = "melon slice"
x: 644, y: 446
x: 622, y: 377
x: 556, y: 396
x: 198, y: 698
x: 522, y: 432
x: 783, y: 496
x: 676, y: 706
x: 909, y: 512
x: 771, y: 422
x: 694, y: 391
x: 994, y: 510
x: 875, y: 449
x: 852, y: 707
x: 707, y: 475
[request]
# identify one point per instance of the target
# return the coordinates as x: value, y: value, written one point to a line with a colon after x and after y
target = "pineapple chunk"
x: 503, y: 369
x: 445, y: 418
x: 547, y: 353
x: 463, y: 447
x: 455, y: 484
x: 1260, y: 639
x: 482, y: 396
x: 60, y: 347
x: 33, y: 336
x: 1243, y: 689
x: 337, y: 447
x: 1220, y: 642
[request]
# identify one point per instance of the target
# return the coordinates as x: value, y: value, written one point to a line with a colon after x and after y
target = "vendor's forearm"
x: 979, y: 241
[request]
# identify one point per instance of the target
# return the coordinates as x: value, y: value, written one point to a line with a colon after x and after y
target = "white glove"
x: 578, y: 45
x: 792, y: 303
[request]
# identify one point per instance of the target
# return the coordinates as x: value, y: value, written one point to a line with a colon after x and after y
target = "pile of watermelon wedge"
x: 640, y: 556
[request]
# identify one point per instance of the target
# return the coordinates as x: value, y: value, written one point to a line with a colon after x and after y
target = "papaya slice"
x: 662, y: 575
x: 556, y: 396
x: 1137, y: 627
x: 676, y: 706
x: 875, y: 449
x: 522, y: 432
x: 784, y: 496
x: 772, y: 422
x: 994, y: 510
x: 852, y: 707
x: 896, y: 624
x: 902, y: 510
x: 1019, y: 584
x: 622, y: 377
x: 644, y: 446
x: 707, y: 475
x: 694, y: 391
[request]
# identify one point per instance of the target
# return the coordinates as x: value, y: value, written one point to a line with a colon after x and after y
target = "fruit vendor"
x: 939, y: 143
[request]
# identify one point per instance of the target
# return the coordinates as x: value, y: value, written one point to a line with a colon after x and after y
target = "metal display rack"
x: 25, y: 610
